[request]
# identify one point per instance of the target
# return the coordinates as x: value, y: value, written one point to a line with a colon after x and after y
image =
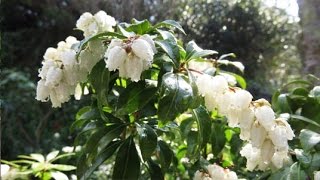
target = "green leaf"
x: 99, y: 79
x: 194, y: 51
x: 38, y: 157
x: 171, y: 48
x: 63, y: 167
x: 82, y: 165
x: 104, y: 154
x: 186, y: 126
x: 196, y: 97
x: 283, y: 104
x: 155, y: 171
x: 165, y: 155
x: 84, y: 116
x: 202, y: 117
x: 297, y: 82
x: 135, y: 97
x: 175, y: 96
x: 139, y: 27
x: 274, y: 100
x: 315, y: 163
x: 296, y: 173
x: 52, y: 155
x: 104, y: 135
x: 62, y: 156
x: 223, y: 56
x: 167, y: 35
x: 303, y: 157
x: 147, y: 140
x: 170, y: 23
x: 240, y: 80
x: 308, y: 139
x: 127, y: 164
x: 124, y: 32
x: 218, y: 139
x: 302, y: 118
x: 193, y: 144
x: 85, y: 41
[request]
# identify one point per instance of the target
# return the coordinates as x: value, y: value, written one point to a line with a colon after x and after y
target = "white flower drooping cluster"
x: 131, y: 57
x: 215, y: 172
x: 93, y: 24
x: 267, y: 136
x: 61, y: 72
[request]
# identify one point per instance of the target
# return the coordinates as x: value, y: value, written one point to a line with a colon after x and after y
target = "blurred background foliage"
x: 263, y: 38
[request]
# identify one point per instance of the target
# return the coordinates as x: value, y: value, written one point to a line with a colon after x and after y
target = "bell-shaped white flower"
x: 267, y: 151
x: 258, y: 134
x: 93, y: 24
x: 246, y: 118
x: 279, y: 137
x: 230, y: 175
x: 50, y: 54
x: 201, y: 176
x: 216, y: 172
x: 283, y: 122
x: 142, y: 49
x: 279, y: 158
x: 211, y: 87
x: 130, y: 57
x: 115, y: 57
x: 266, y: 116
x: 134, y: 68
x: 43, y: 91
x: 46, y: 65
x: 148, y: 38
x: 53, y: 77
x: 252, y: 155
x: 104, y: 21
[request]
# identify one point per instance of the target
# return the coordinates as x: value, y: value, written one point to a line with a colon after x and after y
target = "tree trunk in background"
x: 309, y: 12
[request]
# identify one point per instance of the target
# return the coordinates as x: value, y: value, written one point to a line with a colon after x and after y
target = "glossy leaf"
x: 202, y: 117
x: 175, y: 96
x: 52, y: 155
x: 165, y: 154
x: 170, y: 48
x: 147, y: 140
x: 104, y: 154
x: 127, y: 163
x: 139, y: 27
x: 218, y: 139
x: 63, y: 167
x: 155, y: 171
x: 167, y: 35
x: 135, y: 97
x: 193, y: 144
x: 309, y: 139
x: 170, y: 23
x: 194, y: 51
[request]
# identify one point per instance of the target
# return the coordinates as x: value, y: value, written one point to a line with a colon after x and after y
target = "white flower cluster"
x: 61, y: 72
x: 58, y: 78
x: 267, y: 136
x: 93, y: 24
x: 131, y: 57
x: 215, y: 172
